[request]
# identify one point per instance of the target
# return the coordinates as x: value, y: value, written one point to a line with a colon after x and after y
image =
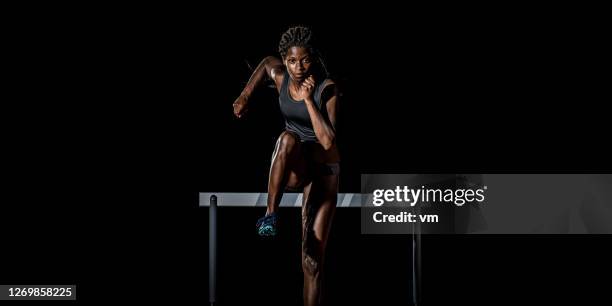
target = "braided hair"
x: 301, y: 36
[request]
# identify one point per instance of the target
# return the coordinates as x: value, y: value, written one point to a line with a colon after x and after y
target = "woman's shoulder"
x: 327, y: 82
x: 328, y: 88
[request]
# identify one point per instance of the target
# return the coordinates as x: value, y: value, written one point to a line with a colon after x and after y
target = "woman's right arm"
x: 271, y: 67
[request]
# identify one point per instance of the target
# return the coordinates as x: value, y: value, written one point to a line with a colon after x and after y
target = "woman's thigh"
x: 295, y: 160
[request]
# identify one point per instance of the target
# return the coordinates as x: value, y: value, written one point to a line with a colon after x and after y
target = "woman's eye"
x: 307, y: 61
x: 292, y: 61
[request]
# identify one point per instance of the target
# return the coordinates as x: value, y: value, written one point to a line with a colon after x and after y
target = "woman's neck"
x: 294, y: 85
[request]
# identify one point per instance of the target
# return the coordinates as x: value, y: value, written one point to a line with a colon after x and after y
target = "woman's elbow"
x: 268, y: 59
x: 271, y: 60
x: 328, y: 143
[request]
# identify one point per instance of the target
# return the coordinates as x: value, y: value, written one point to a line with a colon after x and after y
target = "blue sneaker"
x: 266, y: 225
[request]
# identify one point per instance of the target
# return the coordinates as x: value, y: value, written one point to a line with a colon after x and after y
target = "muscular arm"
x: 325, y: 130
x: 269, y: 66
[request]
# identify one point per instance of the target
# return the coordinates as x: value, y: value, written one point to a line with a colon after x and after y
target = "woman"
x: 305, y: 157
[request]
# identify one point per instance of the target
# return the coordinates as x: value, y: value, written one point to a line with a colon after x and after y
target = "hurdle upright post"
x: 212, y: 250
x: 416, y: 264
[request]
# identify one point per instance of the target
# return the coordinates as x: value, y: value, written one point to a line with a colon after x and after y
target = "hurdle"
x: 212, y: 200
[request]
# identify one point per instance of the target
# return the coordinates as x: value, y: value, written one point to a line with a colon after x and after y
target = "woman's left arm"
x: 325, y: 130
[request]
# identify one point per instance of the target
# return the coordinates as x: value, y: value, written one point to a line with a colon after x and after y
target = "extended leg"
x: 318, y: 210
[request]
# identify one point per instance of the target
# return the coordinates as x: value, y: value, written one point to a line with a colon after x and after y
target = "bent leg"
x: 286, y: 169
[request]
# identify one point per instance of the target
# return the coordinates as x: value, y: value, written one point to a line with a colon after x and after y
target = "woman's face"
x: 298, y: 62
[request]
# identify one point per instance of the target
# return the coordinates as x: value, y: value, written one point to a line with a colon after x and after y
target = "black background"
x: 119, y: 116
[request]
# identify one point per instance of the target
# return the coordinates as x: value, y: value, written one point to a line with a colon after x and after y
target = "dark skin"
x: 291, y: 159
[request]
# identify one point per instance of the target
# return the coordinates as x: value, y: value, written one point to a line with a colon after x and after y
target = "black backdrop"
x: 125, y: 115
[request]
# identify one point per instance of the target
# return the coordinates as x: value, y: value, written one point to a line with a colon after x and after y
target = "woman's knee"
x: 311, y: 264
x: 288, y: 142
x: 313, y: 252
